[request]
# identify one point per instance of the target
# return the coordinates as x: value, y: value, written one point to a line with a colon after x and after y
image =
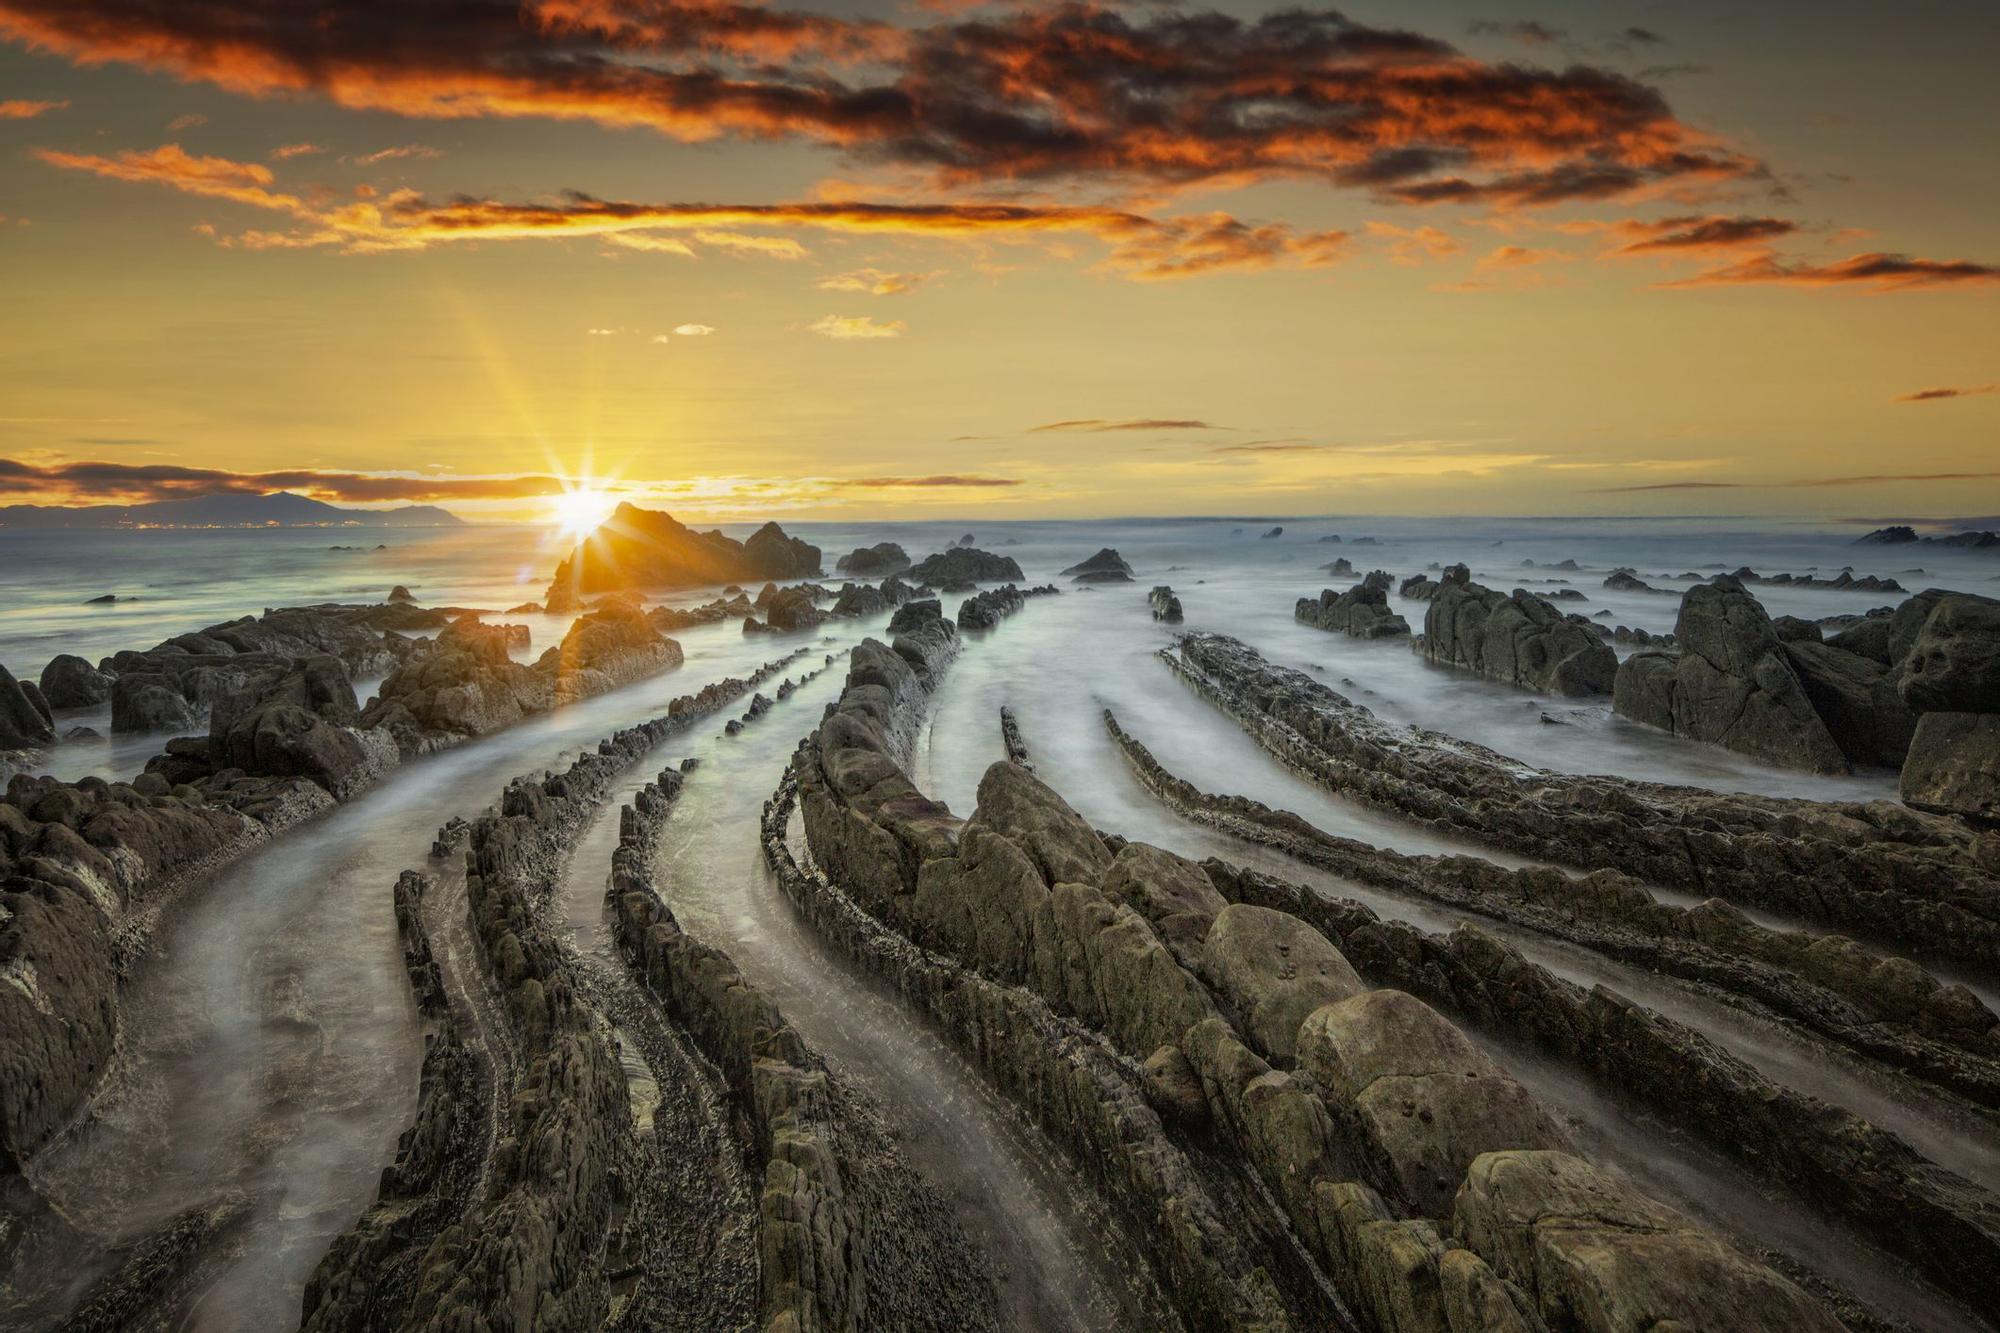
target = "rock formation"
x: 1107, y: 566
x: 962, y: 564
x: 1166, y: 606
x: 1362, y: 611
x: 1517, y: 639
x: 1951, y: 677
x: 874, y: 561
x: 644, y: 548
x: 1903, y: 535
x: 1731, y: 683
x: 26, y: 720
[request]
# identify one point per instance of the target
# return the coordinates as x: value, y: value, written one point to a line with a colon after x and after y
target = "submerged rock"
x: 881, y: 558
x: 1362, y: 611
x: 70, y: 682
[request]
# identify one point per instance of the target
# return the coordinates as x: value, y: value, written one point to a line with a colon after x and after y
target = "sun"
x: 577, y: 513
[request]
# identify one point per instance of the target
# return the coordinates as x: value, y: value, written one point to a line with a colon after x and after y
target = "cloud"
x: 1100, y: 425
x: 946, y: 480
x: 22, y: 109
x: 192, y: 120
x: 1140, y: 247
x: 124, y: 483
x: 1270, y: 447
x: 1415, y: 245
x: 286, y: 152
x: 850, y: 327
x: 1697, y: 234
x: 1076, y: 91
x: 1526, y: 30
x: 1517, y: 256
x: 1933, y: 395
x: 875, y: 282
x: 1875, y: 479
x: 694, y: 330
x: 1643, y: 37
x: 414, y: 152
x: 1875, y: 272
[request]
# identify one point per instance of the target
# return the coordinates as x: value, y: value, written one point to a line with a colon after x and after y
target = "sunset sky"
x: 941, y: 258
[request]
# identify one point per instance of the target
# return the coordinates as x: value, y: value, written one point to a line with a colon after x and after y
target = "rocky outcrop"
x: 1624, y: 580
x: 1419, y: 588
x: 1732, y: 683
x: 1166, y: 607
x: 1856, y: 698
x: 674, y: 619
x: 1954, y: 765
x: 1343, y: 568
x: 1844, y: 581
x: 1362, y: 611
x: 644, y: 548
x: 963, y: 564
x: 875, y: 561
x: 1922, y: 880
x: 1107, y: 566
x: 1249, y: 1040
x: 298, y: 722
x: 786, y: 610
x: 1273, y: 532
x: 1517, y: 639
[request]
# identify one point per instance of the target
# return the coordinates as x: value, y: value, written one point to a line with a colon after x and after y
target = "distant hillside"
x: 1903, y: 535
x: 279, y: 509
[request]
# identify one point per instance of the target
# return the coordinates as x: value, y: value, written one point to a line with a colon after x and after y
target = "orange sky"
x: 1004, y: 261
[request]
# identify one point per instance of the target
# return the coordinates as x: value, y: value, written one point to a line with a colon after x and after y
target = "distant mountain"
x: 280, y: 509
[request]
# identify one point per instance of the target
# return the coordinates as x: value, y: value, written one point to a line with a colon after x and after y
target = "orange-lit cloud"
x: 1699, y: 234
x: 286, y: 152
x: 1875, y: 272
x: 874, y: 282
x: 125, y: 483
x: 1141, y: 247
x: 415, y: 152
x: 1068, y: 90
x: 1517, y: 256
x: 22, y: 109
x: 1873, y: 479
x: 1935, y: 395
x: 1415, y: 245
x: 848, y: 328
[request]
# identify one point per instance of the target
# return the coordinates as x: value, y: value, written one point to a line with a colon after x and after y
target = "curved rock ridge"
x: 1927, y: 882
x: 1107, y: 566
x: 504, y: 1199
x: 644, y: 548
x: 1887, y: 1008
x: 1825, y: 1155
x: 849, y: 1236
x: 1517, y: 638
x: 986, y: 609
x: 1362, y: 611
x: 1236, y: 1037
x: 966, y: 564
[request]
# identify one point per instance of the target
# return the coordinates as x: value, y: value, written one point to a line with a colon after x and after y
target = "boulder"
x: 1518, y: 639
x: 874, y: 561
x: 1423, y: 1098
x: 1273, y: 970
x: 860, y: 599
x: 1597, y: 1256
x: 771, y: 554
x: 1172, y: 892
x: 1058, y: 842
x: 1791, y: 629
x: 1731, y: 684
x: 1953, y: 664
x: 1274, y: 532
x: 400, y: 594
x: 70, y: 682
x: 1954, y: 765
x: 294, y: 723
x: 1166, y: 606
x: 968, y: 565
x: 1343, y: 568
x: 25, y: 717
x: 1107, y: 566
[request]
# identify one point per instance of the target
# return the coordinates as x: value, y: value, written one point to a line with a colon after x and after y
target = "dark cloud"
x: 1523, y: 30
x: 1933, y: 395
x: 1099, y: 425
x: 1070, y: 90
x: 1875, y: 271
x: 1643, y: 37
x: 1874, y: 479
x: 1684, y: 235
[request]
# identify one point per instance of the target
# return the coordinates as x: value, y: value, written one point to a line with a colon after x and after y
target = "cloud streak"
x: 1936, y: 395
x: 1878, y: 272
x: 853, y: 328
x: 20, y: 108
x: 1101, y: 425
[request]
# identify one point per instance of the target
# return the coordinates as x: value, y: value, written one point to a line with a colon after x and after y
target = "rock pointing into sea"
x: 644, y: 548
x: 1107, y: 566
x: 1516, y: 638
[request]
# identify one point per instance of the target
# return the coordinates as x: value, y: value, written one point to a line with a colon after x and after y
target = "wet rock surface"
x: 1361, y: 611
x: 1518, y: 639
x: 1165, y: 605
x: 881, y: 558
x: 965, y: 564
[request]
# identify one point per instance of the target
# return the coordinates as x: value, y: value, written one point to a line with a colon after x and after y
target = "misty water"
x: 271, y: 1048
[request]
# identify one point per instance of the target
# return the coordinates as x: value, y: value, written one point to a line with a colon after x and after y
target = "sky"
x: 935, y: 258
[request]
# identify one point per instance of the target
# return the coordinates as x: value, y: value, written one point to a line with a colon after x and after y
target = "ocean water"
x: 271, y: 1049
